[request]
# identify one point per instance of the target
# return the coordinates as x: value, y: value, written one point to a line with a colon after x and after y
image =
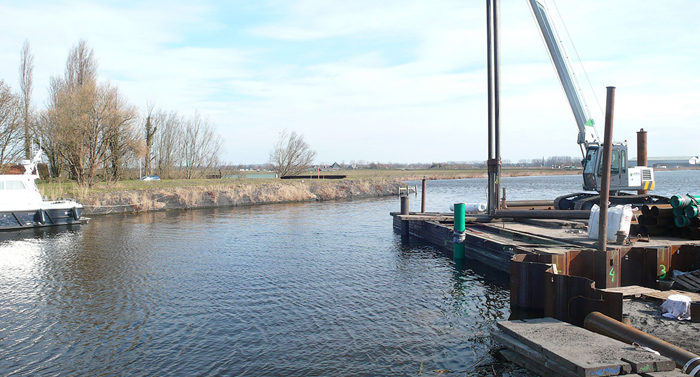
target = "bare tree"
x: 167, y: 142
x: 88, y: 125
x: 65, y: 122
x: 183, y: 147
x: 151, y: 129
x: 81, y: 66
x: 291, y: 155
x: 26, y: 70
x: 48, y: 126
x: 10, y: 143
x: 121, y: 136
x: 201, y: 147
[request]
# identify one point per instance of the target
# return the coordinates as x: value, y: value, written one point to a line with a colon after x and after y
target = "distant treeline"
x: 557, y: 162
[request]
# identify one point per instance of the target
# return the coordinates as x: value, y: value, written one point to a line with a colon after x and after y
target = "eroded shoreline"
x: 235, y: 194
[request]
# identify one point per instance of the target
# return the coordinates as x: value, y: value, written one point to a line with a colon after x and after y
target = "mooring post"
x: 404, y: 202
x: 422, y: 199
x: 458, y: 231
x: 642, y: 159
x: 403, y: 196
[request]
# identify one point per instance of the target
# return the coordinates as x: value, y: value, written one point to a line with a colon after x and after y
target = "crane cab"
x: 622, y: 177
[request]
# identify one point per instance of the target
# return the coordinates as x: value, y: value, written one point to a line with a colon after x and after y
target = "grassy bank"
x: 58, y: 189
x: 164, y: 195
x: 135, y: 195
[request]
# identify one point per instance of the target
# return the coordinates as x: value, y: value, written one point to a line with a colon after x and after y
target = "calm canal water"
x: 309, y: 289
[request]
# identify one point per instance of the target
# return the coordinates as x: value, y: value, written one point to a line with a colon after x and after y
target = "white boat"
x: 21, y: 204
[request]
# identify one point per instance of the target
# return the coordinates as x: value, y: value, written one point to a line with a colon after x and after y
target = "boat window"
x: 14, y: 185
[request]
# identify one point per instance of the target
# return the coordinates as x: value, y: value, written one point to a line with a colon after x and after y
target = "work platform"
x: 555, y: 268
x: 558, y: 278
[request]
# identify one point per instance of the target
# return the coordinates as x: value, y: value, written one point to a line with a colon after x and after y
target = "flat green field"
x: 433, y: 174
x: 58, y: 189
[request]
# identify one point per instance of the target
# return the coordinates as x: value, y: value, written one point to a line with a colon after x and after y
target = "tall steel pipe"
x: 541, y: 214
x: 642, y: 159
x: 602, y: 324
x: 530, y: 203
x: 605, y: 182
x: 494, y: 152
x: 422, y: 196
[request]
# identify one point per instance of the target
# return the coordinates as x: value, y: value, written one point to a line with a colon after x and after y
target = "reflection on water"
x: 292, y: 289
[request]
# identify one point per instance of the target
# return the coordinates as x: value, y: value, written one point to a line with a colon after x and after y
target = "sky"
x: 387, y: 81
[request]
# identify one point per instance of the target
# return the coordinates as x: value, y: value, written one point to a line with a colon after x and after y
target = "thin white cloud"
x: 374, y: 80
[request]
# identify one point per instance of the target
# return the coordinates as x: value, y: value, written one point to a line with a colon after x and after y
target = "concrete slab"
x: 528, y: 364
x: 675, y: 373
x: 530, y: 359
x: 632, y: 290
x: 584, y: 352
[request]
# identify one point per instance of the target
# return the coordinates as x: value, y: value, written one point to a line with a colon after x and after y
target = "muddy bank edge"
x: 235, y: 194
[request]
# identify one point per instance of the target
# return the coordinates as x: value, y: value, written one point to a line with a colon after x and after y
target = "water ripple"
x: 311, y: 289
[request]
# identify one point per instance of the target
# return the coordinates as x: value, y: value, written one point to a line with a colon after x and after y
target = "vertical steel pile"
x: 494, y: 143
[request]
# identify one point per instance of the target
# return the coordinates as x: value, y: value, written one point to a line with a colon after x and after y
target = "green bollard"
x: 458, y: 232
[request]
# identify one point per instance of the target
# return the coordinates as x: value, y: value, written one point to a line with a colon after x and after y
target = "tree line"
x: 89, y: 132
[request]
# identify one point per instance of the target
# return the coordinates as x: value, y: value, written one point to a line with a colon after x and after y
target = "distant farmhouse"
x: 335, y: 167
x: 671, y: 162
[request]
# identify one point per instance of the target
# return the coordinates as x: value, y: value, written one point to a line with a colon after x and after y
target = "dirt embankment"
x: 236, y: 194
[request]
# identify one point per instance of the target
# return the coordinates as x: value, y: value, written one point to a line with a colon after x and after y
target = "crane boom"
x: 588, y: 134
x: 622, y: 176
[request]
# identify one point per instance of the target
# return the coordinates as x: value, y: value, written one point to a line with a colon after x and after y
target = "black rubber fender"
x: 41, y: 217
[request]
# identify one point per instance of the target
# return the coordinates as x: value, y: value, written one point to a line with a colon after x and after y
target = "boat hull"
x: 42, y: 217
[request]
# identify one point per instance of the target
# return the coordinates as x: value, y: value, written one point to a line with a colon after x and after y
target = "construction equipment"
x: 622, y: 176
